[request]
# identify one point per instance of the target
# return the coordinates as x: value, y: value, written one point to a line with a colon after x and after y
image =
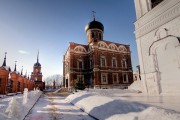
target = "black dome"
x: 94, y: 24
x: 37, y: 64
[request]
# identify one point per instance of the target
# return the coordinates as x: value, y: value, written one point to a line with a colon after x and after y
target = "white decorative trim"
x: 103, y: 57
x: 127, y: 78
x: 106, y: 77
x: 112, y: 46
x: 158, y: 16
x: 80, y: 49
x: 102, y: 44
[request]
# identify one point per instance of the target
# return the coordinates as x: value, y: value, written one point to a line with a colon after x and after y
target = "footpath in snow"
x: 101, y: 105
x: 54, y: 107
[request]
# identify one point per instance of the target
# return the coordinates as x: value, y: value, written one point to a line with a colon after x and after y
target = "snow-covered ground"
x: 110, y: 104
x: 166, y: 102
x: 113, y: 104
x: 56, y: 108
x: 16, y: 107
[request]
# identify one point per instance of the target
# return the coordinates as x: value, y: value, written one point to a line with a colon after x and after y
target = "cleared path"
x: 54, y: 107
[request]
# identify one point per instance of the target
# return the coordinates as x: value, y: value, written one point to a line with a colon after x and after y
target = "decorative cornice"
x: 169, y: 10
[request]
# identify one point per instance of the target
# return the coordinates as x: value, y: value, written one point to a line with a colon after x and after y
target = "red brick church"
x: 99, y: 64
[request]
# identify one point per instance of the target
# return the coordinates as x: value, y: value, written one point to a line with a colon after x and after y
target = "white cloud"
x: 23, y: 52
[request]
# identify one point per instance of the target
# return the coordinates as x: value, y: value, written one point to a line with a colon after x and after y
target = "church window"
x: 124, y: 63
x: 80, y: 64
x: 125, y: 78
x: 18, y: 86
x: 103, y: 61
x: 10, y: 86
x: 115, y: 78
x: 114, y: 62
x: 154, y: 3
x: 104, y: 78
x: 92, y: 34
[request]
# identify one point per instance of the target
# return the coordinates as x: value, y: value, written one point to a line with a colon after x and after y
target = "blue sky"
x: 49, y: 25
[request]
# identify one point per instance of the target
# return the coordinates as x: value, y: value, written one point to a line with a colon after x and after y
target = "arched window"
x: 154, y: 3
x: 19, y: 86
x: 92, y: 34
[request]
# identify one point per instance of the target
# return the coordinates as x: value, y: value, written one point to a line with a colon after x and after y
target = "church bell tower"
x: 36, y: 74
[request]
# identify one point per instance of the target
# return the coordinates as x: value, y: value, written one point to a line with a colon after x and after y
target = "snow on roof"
x: 6, y: 67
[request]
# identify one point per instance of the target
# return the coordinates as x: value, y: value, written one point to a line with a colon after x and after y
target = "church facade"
x: 157, y: 32
x: 99, y: 64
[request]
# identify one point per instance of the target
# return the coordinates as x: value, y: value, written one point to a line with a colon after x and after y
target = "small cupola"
x: 94, y: 30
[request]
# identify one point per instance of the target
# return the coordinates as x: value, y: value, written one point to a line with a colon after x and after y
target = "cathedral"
x: 99, y: 64
x: 157, y: 32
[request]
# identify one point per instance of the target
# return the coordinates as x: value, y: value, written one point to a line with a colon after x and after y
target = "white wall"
x: 158, y: 50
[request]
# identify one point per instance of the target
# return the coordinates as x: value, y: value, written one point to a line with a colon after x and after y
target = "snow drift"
x: 17, y: 107
x: 103, y: 107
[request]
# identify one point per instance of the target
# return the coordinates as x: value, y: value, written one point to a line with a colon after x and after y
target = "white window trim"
x: 80, y: 60
x: 122, y: 62
x: 101, y: 61
x: 127, y: 78
x: 104, y: 74
x: 115, y: 61
x: 116, y: 77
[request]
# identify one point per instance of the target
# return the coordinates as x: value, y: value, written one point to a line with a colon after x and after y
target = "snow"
x: 55, y: 108
x: 11, y: 94
x: 102, y: 105
x: 12, y: 107
x: 57, y: 90
x: 136, y: 85
x: 25, y: 96
x: 6, y: 67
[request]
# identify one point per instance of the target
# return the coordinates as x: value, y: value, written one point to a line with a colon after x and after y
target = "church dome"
x: 37, y: 64
x: 94, y: 25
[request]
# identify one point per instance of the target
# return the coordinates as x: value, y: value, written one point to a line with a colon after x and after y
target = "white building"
x: 157, y: 32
